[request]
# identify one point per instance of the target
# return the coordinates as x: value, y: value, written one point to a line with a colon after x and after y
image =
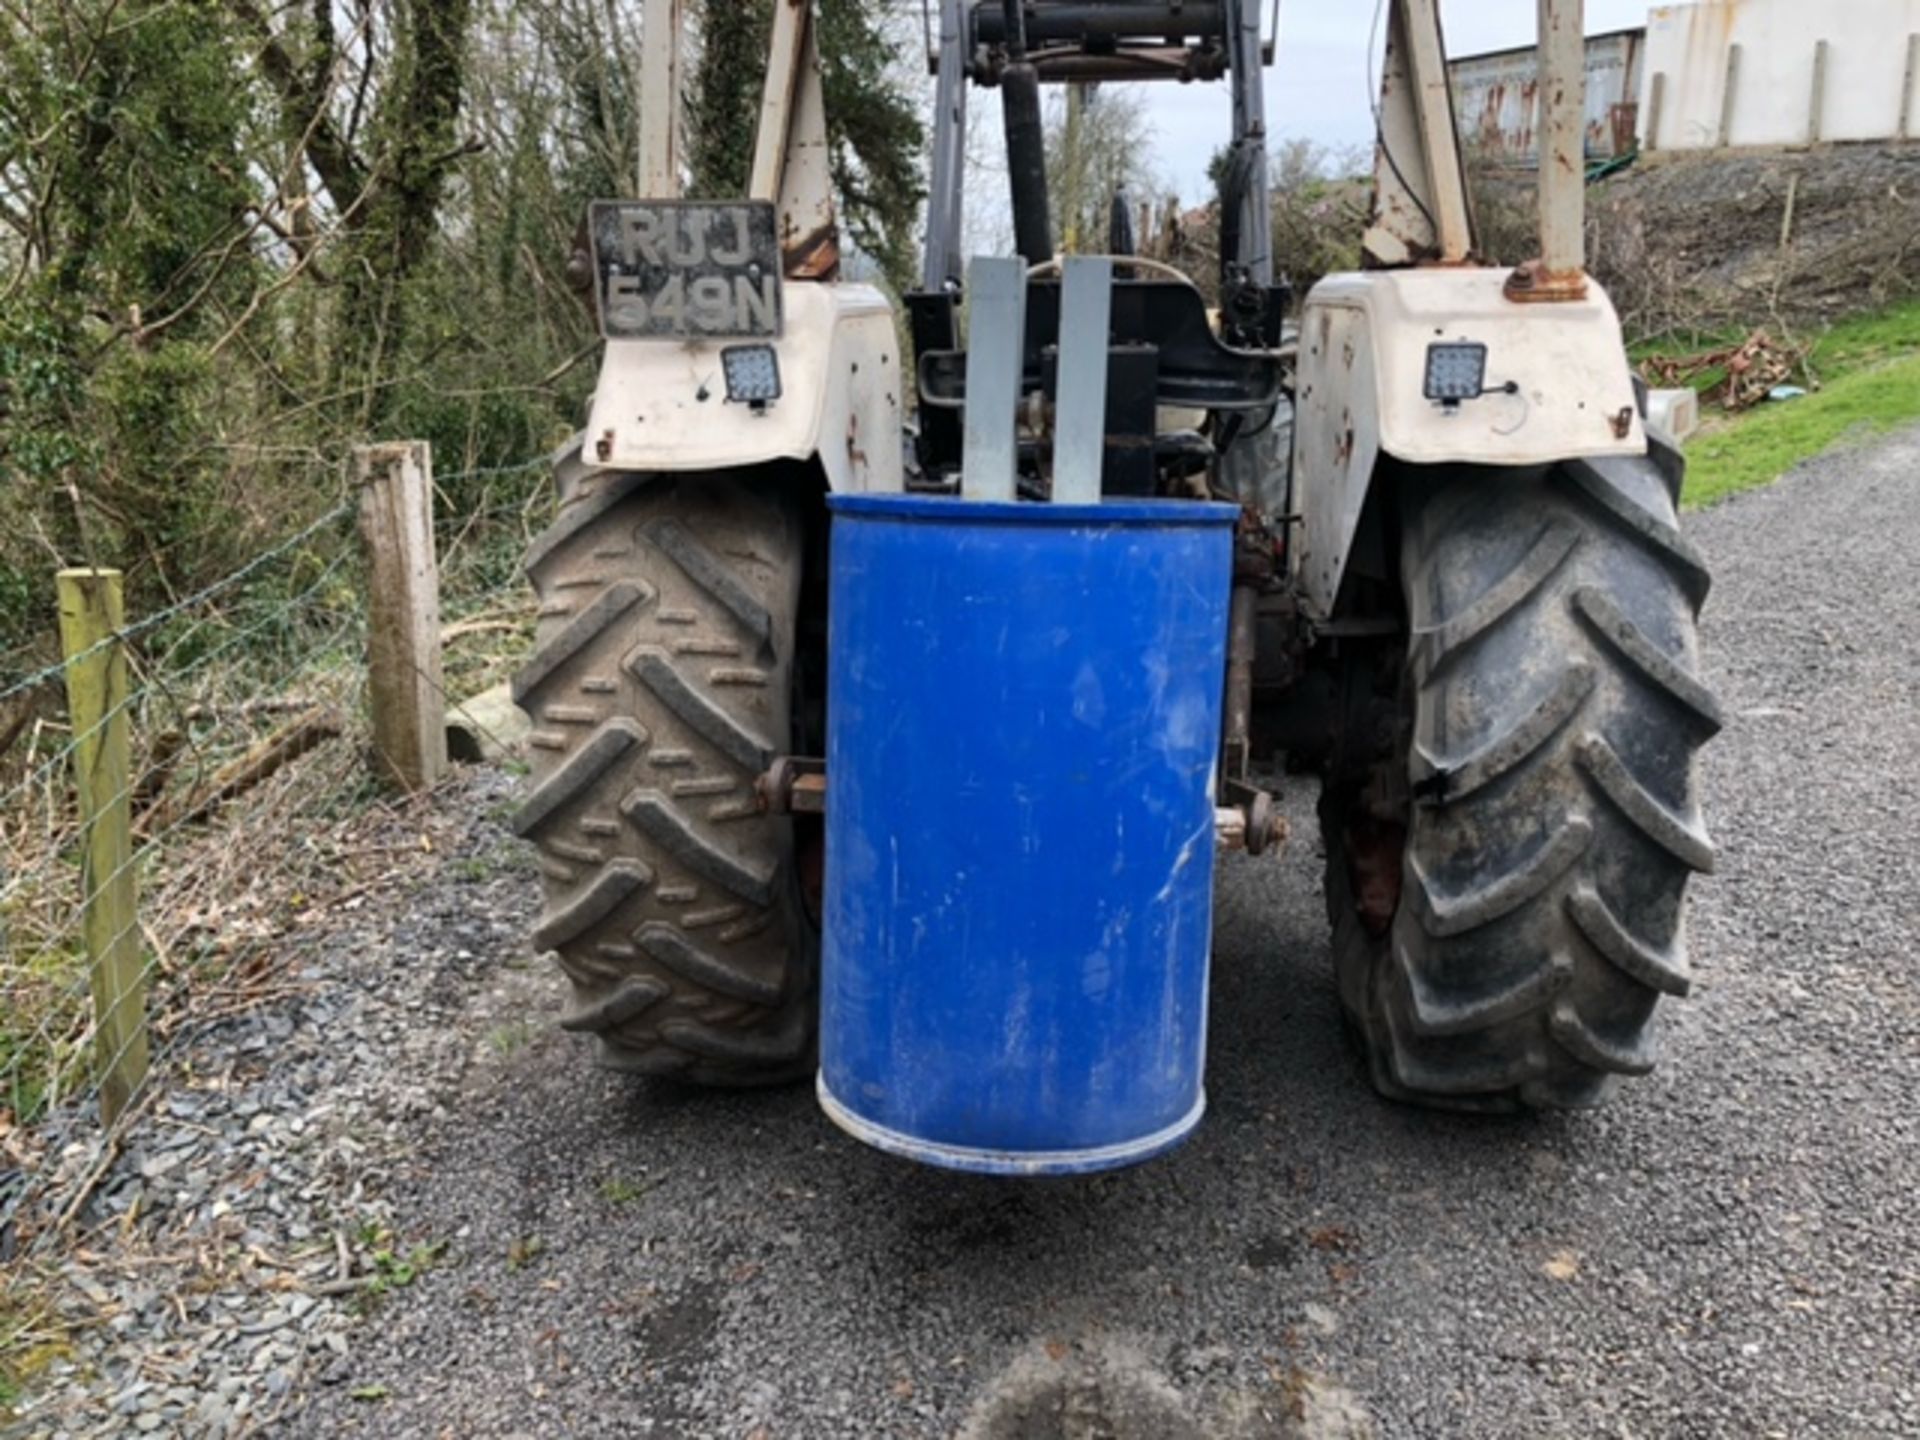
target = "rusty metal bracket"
x: 1533, y: 283
x: 1249, y: 820
x: 793, y: 785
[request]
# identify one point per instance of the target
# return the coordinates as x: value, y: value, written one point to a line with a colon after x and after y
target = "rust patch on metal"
x: 813, y: 256
x: 1375, y: 850
x: 1499, y: 94
x: 603, y: 447
x: 1625, y: 122
x: 1622, y: 422
x: 1534, y: 284
x: 856, y: 456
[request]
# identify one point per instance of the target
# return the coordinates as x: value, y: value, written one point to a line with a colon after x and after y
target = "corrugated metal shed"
x: 1496, y: 99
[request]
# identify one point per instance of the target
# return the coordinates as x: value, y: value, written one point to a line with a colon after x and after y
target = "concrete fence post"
x: 1907, y: 82
x: 1729, y: 96
x: 1817, y: 106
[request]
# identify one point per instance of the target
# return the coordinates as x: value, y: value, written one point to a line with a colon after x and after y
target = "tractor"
x: 891, y: 702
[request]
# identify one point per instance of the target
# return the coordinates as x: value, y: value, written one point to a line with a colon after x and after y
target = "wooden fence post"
x: 91, y: 617
x: 405, y: 682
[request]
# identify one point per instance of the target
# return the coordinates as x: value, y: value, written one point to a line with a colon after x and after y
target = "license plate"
x: 686, y: 270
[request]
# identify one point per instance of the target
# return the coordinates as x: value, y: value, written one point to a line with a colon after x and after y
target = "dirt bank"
x: 1696, y: 243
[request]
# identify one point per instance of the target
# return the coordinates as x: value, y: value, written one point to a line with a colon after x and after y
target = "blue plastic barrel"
x: 1023, y: 723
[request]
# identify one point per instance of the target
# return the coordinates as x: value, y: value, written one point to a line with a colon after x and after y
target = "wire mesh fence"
x: 242, y: 710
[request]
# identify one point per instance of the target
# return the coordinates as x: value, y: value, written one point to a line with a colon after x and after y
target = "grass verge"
x: 32, y: 1335
x: 1867, y: 368
x: 1760, y: 446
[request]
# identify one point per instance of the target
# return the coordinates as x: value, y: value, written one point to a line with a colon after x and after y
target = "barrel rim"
x: 1089, y: 1160
x: 950, y: 509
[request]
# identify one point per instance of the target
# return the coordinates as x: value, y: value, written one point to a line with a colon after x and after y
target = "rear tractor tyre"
x: 660, y: 687
x: 1547, y: 820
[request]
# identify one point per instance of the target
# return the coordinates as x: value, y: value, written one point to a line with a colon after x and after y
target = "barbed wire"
x: 136, y: 695
x: 195, y: 751
x: 169, y: 687
x: 150, y: 622
x: 55, y: 1059
x: 521, y: 467
x: 153, y: 620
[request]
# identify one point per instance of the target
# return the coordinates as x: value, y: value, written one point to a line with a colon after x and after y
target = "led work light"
x: 753, y: 374
x: 1456, y: 372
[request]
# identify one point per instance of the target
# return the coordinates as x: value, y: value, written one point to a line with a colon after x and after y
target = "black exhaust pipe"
x: 1026, y: 144
x: 1055, y: 22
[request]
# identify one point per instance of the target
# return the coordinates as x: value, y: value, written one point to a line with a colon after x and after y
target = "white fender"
x: 1362, y: 373
x: 662, y: 404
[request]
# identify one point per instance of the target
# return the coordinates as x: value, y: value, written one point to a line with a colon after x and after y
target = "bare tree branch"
x: 304, y: 99
x: 292, y: 273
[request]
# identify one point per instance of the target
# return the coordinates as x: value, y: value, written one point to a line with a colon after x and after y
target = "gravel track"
x: 1732, y: 1249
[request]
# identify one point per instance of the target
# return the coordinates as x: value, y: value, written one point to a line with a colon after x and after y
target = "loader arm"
x: 732, y: 343
x: 791, y: 159
x: 1420, y: 210
x: 1545, y: 377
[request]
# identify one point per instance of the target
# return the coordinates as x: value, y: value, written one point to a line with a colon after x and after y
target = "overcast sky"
x: 1317, y: 86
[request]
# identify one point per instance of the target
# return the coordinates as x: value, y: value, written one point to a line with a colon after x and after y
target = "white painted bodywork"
x: 662, y: 405
x: 1363, y: 355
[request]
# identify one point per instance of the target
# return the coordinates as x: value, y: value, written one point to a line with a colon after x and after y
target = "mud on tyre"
x: 1508, y: 905
x: 660, y: 687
